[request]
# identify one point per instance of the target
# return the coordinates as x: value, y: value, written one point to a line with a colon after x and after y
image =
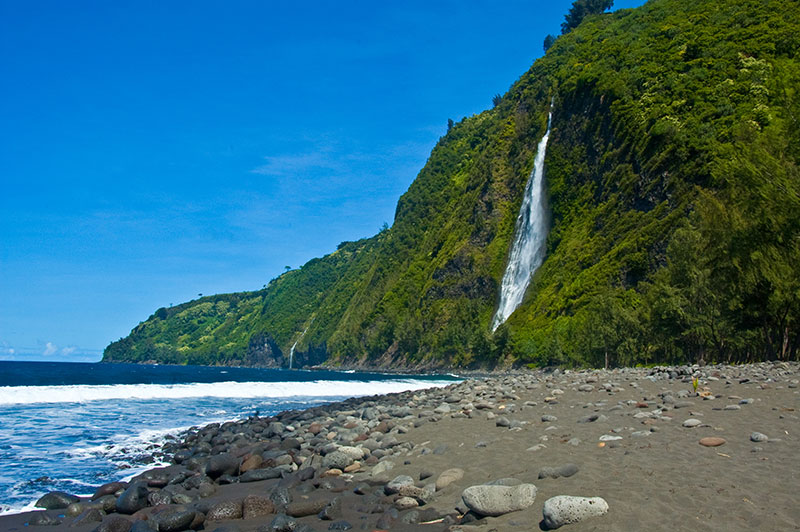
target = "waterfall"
x: 527, y: 252
x: 291, y: 351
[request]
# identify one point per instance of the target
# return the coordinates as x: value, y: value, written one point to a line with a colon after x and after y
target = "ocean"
x: 73, y: 426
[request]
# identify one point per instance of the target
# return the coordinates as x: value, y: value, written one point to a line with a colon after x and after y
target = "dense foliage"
x: 580, y: 9
x: 675, y: 197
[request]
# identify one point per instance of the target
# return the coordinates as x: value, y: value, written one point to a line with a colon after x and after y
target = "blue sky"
x: 151, y: 151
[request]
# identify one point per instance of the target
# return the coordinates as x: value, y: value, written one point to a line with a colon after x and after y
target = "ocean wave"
x: 15, y: 395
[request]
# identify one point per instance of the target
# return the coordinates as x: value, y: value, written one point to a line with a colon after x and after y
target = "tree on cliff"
x: 581, y: 8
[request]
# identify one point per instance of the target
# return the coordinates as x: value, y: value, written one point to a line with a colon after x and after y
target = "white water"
x: 527, y: 252
x: 81, y: 393
x: 291, y: 353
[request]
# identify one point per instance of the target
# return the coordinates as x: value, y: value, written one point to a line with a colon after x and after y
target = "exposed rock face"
x: 263, y: 351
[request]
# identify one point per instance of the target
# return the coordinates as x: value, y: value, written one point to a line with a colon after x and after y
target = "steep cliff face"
x: 675, y: 206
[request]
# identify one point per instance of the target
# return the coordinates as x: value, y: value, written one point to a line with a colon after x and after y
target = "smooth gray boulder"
x: 449, y: 476
x: 565, y: 509
x: 498, y: 500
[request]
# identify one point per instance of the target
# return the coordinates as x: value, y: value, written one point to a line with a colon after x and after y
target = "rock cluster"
x: 343, y: 465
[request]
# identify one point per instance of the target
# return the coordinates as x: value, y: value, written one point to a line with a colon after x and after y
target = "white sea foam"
x: 11, y: 395
x: 18, y: 509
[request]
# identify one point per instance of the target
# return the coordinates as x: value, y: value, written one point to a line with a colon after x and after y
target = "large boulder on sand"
x: 564, y: 509
x: 498, y: 500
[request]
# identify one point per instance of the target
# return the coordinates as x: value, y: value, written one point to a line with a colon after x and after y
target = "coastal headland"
x: 665, y: 448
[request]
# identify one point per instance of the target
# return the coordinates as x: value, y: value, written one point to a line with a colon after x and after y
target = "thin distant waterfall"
x: 527, y: 252
x: 291, y: 351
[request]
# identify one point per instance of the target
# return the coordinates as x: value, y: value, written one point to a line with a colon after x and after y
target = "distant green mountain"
x: 674, y: 195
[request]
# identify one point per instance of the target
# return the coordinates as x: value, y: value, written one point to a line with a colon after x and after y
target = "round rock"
x: 56, y: 500
x: 222, y: 511
x: 565, y: 509
x: 498, y: 500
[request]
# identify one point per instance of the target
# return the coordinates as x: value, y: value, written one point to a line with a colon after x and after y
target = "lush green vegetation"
x: 675, y: 198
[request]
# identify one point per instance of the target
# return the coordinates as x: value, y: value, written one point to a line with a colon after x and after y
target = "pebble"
x: 691, y: 423
x: 498, y: 500
x: 712, y: 441
x: 405, y: 503
x: 758, y: 437
x: 566, y: 470
x: 565, y: 509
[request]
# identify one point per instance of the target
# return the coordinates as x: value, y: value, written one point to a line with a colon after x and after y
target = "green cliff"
x: 675, y: 212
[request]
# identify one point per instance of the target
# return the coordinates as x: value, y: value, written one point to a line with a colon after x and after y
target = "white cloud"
x: 50, y: 349
x: 68, y: 350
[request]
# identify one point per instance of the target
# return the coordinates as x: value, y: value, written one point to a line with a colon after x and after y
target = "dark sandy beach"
x: 422, y: 460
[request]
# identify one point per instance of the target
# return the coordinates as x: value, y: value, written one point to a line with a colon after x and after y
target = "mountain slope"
x: 675, y: 200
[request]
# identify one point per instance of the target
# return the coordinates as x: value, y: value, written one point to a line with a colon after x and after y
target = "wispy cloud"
x: 6, y: 351
x: 298, y: 163
x: 48, y: 351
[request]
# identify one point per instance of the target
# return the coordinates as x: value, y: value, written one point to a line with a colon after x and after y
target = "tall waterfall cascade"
x: 530, y: 234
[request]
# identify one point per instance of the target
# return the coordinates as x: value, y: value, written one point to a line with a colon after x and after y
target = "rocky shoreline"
x: 678, y: 448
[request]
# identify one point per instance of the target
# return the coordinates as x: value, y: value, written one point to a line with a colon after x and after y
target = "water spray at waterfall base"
x: 530, y: 235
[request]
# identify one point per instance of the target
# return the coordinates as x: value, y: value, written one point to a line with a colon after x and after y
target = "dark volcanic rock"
x: 114, y: 523
x: 109, y: 489
x: 388, y: 518
x: 254, y: 475
x: 133, y: 499
x: 280, y: 496
x: 174, y: 519
x: 144, y: 526
x: 333, y: 510
x: 221, y: 464
x: 91, y: 515
x: 281, y: 523
x: 43, y: 519
x: 306, y: 507
x: 56, y: 500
